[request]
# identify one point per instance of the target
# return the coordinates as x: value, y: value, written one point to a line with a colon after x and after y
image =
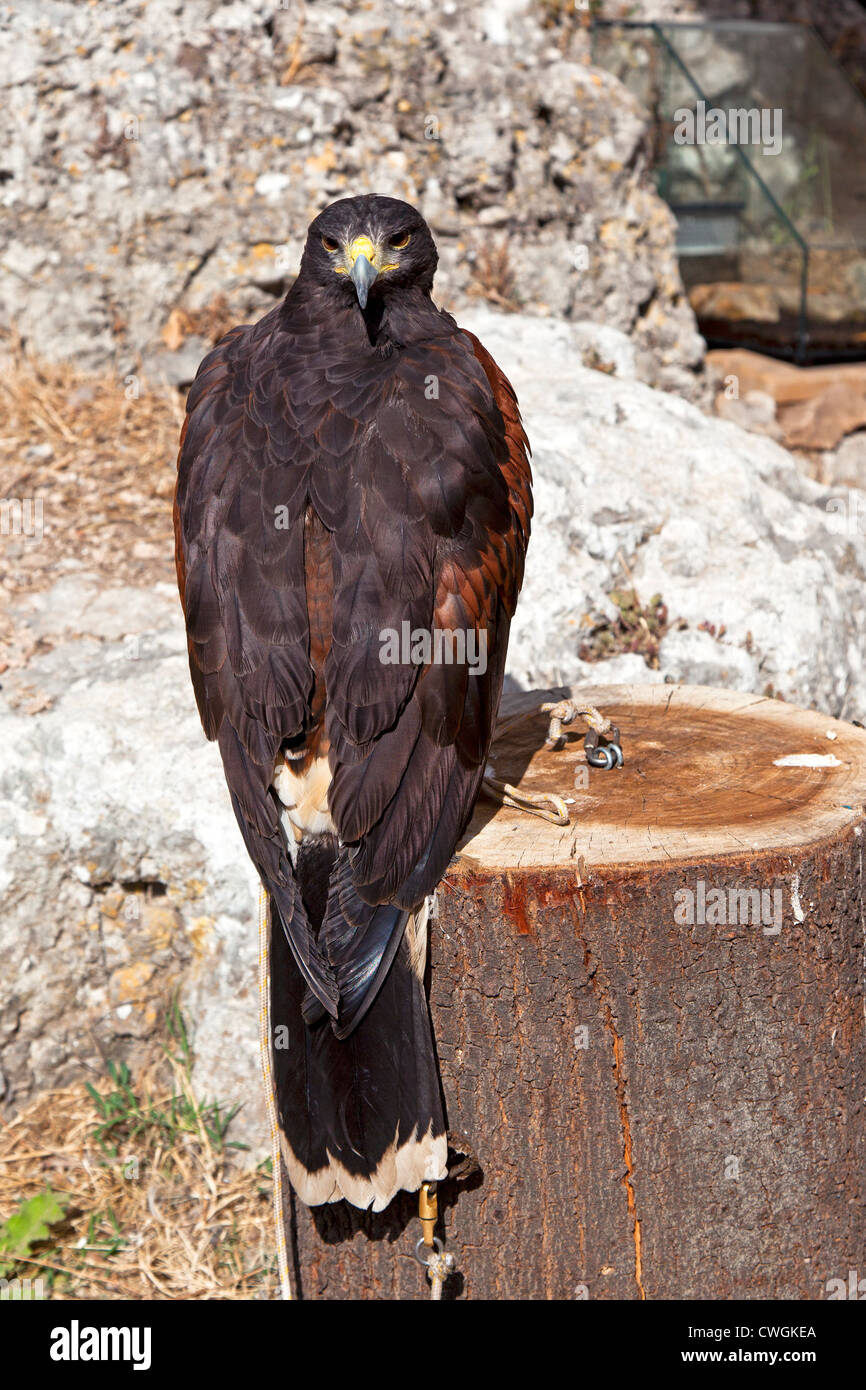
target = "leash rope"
x: 270, y: 1093
x: 438, y: 1264
x: 545, y: 804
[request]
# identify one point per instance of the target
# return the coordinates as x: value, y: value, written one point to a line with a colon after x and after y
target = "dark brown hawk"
x: 352, y: 480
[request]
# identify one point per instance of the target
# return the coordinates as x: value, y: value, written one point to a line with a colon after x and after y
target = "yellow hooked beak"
x: 361, y: 257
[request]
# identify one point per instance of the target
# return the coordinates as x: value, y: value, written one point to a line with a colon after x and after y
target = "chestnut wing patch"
x: 451, y: 492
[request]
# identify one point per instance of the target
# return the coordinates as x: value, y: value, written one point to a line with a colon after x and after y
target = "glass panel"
x: 759, y: 149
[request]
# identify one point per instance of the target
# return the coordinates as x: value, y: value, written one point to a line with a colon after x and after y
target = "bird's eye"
x: 330, y: 244
x: 400, y: 240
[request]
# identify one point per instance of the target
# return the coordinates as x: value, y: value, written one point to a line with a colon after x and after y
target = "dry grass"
x: 153, y: 1207
x: 493, y: 277
x: 101, y: 452
x: 93, y: 459
x: 211, y: 321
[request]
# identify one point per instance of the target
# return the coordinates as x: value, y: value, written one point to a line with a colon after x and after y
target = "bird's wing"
x: 445, y: 509
x: 239, y: 534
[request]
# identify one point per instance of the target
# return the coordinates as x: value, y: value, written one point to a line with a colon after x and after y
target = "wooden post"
x: 649, y: 1023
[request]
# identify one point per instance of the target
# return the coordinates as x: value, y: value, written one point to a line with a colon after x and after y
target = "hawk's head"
x: 369, y: 247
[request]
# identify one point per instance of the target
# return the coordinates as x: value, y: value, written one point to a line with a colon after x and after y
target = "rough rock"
x: 825, y: 419
x: 721, y: 300
x: 170, y: 158
x: 787, y: 384
x: 122, y: 874
x: 719, y: 522
x: 755, y: 411
x: 846, y: 466
x: 814, y: 407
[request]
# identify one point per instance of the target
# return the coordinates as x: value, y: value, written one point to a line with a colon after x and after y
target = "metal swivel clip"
x: 603, y: 754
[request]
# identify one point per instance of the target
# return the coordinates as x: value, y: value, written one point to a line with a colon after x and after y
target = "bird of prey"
x: 353, y: 486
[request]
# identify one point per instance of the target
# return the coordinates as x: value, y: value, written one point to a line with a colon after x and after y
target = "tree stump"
x: 649, y: 1022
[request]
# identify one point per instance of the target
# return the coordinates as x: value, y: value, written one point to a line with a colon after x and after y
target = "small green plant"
x: 104, y: 1245
x: 125, y: 1118
x: 148, y: 1205
x: 29, y: 1227
x: 636, y: 628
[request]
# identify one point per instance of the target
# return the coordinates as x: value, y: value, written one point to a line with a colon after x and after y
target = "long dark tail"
x: 360, y: 1116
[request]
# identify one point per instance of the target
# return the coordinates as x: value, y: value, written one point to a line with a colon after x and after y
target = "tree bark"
x: 660, y: 1073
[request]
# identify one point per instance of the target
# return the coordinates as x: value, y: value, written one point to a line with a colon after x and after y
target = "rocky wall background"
x: 161, y: 162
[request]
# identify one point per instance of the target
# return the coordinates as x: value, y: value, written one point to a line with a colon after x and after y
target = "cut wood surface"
x: 649, y: 1022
